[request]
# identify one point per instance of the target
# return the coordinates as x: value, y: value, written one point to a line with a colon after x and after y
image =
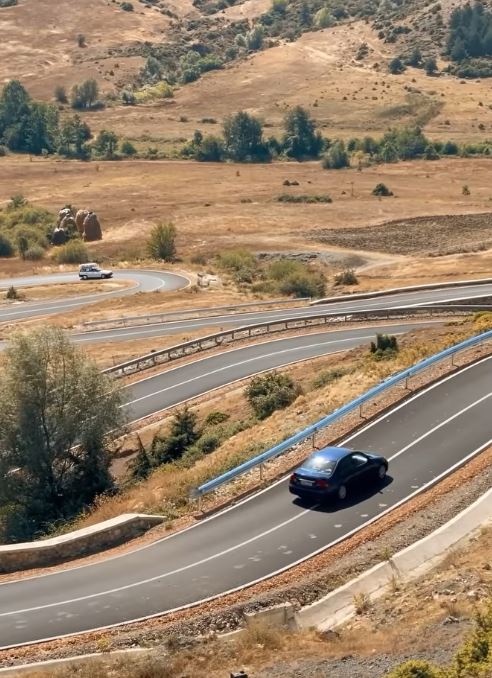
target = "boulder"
x: 80, y: 217
x: 92, y: 228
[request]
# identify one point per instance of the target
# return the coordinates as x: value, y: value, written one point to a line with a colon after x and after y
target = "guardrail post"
x: 452, y: 359
x: 261, y: 472
x: 360, y: 412
x: 313, y: 440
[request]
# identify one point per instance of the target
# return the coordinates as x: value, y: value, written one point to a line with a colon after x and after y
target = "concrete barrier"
x: 46, y: 552
x: 339, y: 606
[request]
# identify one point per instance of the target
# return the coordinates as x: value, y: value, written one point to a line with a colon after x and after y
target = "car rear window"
x: 320, y: 464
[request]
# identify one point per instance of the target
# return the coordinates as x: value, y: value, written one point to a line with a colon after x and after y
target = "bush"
x: 61, y: 94
x: 6, y: 247
x: 161, y: 243
x: 127, y: 148
x: 182, y: 436
x: 385, y: 346
x: 74, y: 252
x: 381, y: 190
x: 337, y: 157
x: 328, y: 377
x: 34, y: 253
x: 303, y: 285
x: 415, y: 668
x: 270, y: 392
x: 346, y: 277
x: 127, y: 6
x: 216, y: 417
x: 286, y: 197
x: 12, y: 293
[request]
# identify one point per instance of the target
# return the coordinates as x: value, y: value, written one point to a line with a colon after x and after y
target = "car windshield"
x: 320, y: 464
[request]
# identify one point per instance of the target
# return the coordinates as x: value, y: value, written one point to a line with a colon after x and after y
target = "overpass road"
x: 424, y: 438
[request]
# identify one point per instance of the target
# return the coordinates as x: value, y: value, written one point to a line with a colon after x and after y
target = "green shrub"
x: 6, y: 247
x: 283, y: 268
x: 286, y: 197
x: 381, y: 190
x: 385, y: 346
x: 346, y: 277
x: 234, y: 260
x: 34, y: 253
x: 162, y: 242
x: 303, y: 285
x: 270, y: 392
x: 216, y: 417
x: 416, y: 668
x: 74, y: 252
x: 127, y: 6
x: 12, y: 293
x: 127, y: 148
x: 336, y: 157
x: 183, y: 435
x: 328, y: 377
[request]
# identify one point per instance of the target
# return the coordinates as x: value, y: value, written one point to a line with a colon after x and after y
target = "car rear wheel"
x: 382, y: 472
x: 342, y: 492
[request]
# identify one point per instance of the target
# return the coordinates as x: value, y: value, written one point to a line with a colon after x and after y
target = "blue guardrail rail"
x: 337, y: 414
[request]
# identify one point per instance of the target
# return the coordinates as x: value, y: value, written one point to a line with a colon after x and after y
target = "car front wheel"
x: 342, y: 492
x: 382, y: 472
x: 83, y: 277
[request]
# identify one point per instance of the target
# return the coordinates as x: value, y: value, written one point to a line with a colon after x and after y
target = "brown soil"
x: 420, y: 235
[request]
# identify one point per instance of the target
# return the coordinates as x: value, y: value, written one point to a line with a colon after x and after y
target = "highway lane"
x: 145, y: 281
x: 431, y: 433
x: 416, y: 298
x: 187, y: 381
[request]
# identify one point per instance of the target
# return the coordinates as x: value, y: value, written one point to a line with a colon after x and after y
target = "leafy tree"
x: 22, y: 246
x: 270, y: 392
x: 396, y: 66
x: 61, y: 94
x: 106, y: 143
x: 430, y: 66
x: 301, y: 139
x: 183, y: 434
x: 73, y: 137
x: 162, y: 242
x: 415, y: 58
x: 337, y: 156
x: 323, y: 18
x: 254, y: 39
x: 141, y: 466
x: 243, y: 138
x: 127, y: 148
x: 210, y: 149
x: 85, y: 95
x: 6, y: 247
x: 58, y: 415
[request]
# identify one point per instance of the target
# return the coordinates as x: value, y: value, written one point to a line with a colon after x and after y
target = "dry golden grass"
x: 66, y: 290
x: 210, y: 216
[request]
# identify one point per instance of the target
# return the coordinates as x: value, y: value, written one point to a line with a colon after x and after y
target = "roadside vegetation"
x: 193, y: 447
x: 58, y: 416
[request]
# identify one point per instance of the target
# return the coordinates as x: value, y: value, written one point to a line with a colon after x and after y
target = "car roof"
x: 333, y: 453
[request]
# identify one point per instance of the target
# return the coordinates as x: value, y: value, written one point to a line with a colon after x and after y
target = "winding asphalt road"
x: 415, y: 298
x: 188, y: 381
x: 426, y: 437
x: 144, y: 281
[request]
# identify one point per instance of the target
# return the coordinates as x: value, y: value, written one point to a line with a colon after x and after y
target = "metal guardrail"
x: 274, y: 326
x: 311, y: 431
x: 128, y: 321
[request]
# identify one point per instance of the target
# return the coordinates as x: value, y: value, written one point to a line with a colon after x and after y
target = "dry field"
x: 67, y: 290
x: 217, y: 206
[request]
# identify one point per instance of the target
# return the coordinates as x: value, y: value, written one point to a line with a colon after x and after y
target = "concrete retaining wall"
x: 414, y: 561
x: 16, y: 557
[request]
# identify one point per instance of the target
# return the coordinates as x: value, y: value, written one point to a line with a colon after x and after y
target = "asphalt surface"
x: 187, y: 381
x: 423, y: 439
x: 416, y: 298
x: 144, y: 281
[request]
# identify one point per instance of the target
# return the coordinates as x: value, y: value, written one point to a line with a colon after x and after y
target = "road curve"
x: 416, y: 298
x: 424, y: 438
x: 144, y: 281
x: 175, y: 385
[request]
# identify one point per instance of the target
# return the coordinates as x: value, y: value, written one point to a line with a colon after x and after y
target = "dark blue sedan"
x: 333, y: 471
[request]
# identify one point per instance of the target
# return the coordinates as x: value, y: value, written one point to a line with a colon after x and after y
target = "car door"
x: 345, y: 471
x: 93, y: 272
x: 360, y: 467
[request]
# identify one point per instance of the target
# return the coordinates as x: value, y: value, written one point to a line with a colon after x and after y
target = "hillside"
x: 348, y: 91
